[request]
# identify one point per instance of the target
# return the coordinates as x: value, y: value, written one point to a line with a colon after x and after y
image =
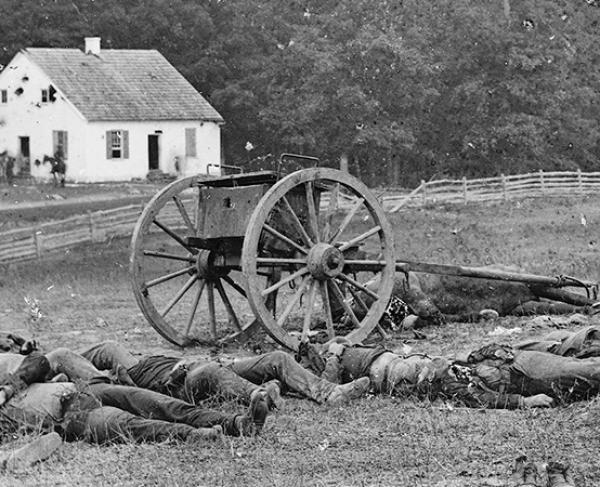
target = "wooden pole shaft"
x: 484, y: 273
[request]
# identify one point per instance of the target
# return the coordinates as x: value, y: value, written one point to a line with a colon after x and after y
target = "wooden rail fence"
x: 559, y: 183
x: 33, y: 242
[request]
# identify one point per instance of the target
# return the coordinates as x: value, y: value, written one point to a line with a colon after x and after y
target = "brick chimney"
x: 92, y: 45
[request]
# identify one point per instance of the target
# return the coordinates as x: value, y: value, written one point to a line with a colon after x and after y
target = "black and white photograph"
x: 300, y: 243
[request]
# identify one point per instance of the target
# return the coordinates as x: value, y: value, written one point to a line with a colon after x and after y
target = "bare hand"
x: 538, y: 401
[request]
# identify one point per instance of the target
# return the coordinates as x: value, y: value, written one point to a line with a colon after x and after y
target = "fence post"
x: 465, y: 197
x: 542, y: 183
x: 91, y: 226
x: 424, y: 191
x: 38, y: 243
x: 504, y: 194
x: 579, y: 181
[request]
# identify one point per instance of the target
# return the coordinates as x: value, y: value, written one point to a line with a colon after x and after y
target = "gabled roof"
x: 122, y: 84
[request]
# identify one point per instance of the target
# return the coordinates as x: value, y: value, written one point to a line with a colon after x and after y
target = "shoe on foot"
x: 252, y: 422
x: 559, y: 475
x: 272, y: 390
x: 35, y: 451
x: 201, y: 435
x: 524, y: 474
x: 347, y: 392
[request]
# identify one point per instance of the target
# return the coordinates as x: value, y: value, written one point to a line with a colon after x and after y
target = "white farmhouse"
x: 115, y: 114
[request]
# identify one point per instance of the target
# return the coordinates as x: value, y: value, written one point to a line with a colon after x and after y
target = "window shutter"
x: 108, y: 145
x: 54, y: 142
x: 125, y: 143
x: 190, y: 142
x: 65, y: 144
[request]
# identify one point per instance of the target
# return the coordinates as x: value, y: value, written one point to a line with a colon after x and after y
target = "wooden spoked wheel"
x: 190, y: 295
x: 316, y: 226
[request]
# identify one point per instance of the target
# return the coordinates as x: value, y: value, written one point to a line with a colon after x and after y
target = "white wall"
x: 26, y: 115
x: 171, y: 144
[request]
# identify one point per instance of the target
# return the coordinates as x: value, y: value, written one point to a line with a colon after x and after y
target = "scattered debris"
x: 33, y: 304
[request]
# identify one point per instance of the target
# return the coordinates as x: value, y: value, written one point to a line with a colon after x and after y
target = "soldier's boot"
x: 252, y: 422
x: 347, y: 392
x: 559, y: 475
x: 273, y: 392
x: 524, y: 474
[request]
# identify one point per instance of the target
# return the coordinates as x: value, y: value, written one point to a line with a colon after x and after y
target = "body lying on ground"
x: 435, y: 299
x: 98, y: 411
x: 105, y: 406
x: 581, y: 343
x: 197, y: 379
x: 496, y: 376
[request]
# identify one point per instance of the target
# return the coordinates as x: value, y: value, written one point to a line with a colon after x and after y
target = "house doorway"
x: 152, y: 151
x: 23, y: 159
x: 24, y: 147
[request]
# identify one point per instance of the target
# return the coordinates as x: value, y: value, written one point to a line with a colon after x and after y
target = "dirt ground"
x: 84, y: 297
x: 28, y: 204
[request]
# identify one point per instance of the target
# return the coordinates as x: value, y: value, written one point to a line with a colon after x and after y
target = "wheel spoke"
x: 235, y: 285
x: 339, y: 295
x: 333, y: 200
x: 227, y: 304
x: 277, y: 262
x: 359, y: 300
x: 168, y: 277
x: 174, y: 236
x: 347, y: 219
x: 211, y: 309
x: 309, y: 309
x: 312, y: 211
x: 360, y: 238
x: 327, y: 306
x: 184, y: 214
x: 283, y: 238
x: 179, y: 295
x: 165, y: 255
x: 360, y: 286
x: 195, y: 306
x: 290, y: 306
x: 307, y: 240
x: 283, y: 282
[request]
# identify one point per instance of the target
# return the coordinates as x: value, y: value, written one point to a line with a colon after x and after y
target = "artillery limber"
x: 215, y: 258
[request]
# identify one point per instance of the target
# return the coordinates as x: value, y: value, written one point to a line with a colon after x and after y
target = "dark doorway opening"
x: 24, y: 146
x: 152, y: 151
x: 24, y: 165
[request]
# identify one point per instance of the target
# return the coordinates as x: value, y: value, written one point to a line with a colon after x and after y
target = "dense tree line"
x: 404, y: 89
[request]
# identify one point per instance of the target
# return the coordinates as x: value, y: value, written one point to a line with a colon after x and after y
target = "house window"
x: 190, y: 142
x: 60, y: 143
x: 45, y: 96
x: 4, y: 96
x: 117, y: 144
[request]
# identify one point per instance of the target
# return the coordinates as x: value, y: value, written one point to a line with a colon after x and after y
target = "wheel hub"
x: 210, y: 264
x: 325, y: 261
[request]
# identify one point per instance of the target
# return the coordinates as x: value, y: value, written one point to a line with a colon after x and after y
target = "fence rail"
x: 558, y: 183
x: 32, y: 243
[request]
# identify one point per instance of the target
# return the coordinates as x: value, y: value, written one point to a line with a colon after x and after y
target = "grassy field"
x: 84, y: 297
x: 25, y: 205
